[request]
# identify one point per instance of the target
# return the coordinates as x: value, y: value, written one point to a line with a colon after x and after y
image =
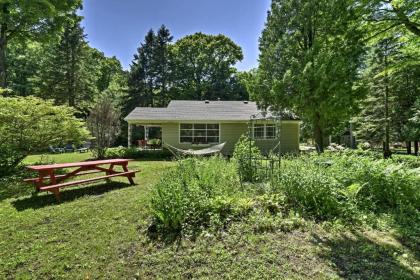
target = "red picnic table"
x: 55, y: 182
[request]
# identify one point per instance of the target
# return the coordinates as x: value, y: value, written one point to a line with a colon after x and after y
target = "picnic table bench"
x: 48, y: 181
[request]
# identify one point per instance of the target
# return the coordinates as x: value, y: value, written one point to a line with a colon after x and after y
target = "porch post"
x: 129, y: 135
x: 146, y: 132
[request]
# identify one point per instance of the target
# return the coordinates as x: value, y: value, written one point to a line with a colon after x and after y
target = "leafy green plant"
x: 190, y: 195
x: 116, y: 152
x: 248, y: 159
x: 134, y: 153
x: 342, y: 188
x: 29, y: 124
x: 309, y: 187
x: 338, y: 185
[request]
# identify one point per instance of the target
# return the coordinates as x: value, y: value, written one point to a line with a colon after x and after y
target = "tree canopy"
x: 332, y: 62
x: 22, y: 19
x: 203, y: 66
x: 30, y: 124
x: 198, y: 67
x: 309, y: 61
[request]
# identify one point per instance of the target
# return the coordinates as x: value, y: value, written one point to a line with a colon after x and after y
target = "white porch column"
x: 146, y: 132
x: 129, y: 135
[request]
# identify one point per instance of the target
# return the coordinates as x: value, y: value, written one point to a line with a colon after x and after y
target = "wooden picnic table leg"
x: 53, y: 181
x: 56, y: 193
x: 40, y: 182
x: 111, y: 169
x: 130, y: 178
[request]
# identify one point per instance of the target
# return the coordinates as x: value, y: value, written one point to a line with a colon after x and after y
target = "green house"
x: 200, y: 124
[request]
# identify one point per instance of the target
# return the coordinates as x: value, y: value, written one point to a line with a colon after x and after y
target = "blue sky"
x: 117, y: 27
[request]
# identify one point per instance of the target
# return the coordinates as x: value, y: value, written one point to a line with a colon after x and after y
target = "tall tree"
x: 203, y: 66
x: 392, y: 93
x: 391, y: 72
x: 161, y: 60
x: 109, y: 69
x: 21, y: 19
x: 414, y: 125
x: 140, y: 80
x: 383, y: 16
x: 198, y: 66
x: 69, y: 74
x: 150, y: 75
x: 310, y: 56
x: 24, y: 60
x: 375, y: 124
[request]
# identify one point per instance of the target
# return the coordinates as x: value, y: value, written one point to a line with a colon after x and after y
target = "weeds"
x: 194, y: 193
x: 343, y: 188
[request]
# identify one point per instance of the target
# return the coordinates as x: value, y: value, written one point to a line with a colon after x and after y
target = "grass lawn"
x: 100, y: 231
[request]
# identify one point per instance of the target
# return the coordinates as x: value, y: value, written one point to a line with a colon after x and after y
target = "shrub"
x: 364, y: 146
x: 383, y: 183
x: 116, y: 152
x: 29, y: 124
x: 247, y: 158
x: 339, y: 187
x: 103, y: 122
x: 335, y: 185
x: 134, y: 153
x: 409, y: 160
x: 308, y: 186
x: 189, y: 195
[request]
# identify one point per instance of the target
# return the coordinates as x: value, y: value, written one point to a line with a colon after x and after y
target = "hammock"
x: 202, y: 152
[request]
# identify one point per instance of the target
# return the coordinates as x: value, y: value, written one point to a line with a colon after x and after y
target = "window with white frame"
x: 199, y: 133
x: 265, y: 131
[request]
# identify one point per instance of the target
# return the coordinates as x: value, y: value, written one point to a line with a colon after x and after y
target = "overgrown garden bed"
x: 348, y: 188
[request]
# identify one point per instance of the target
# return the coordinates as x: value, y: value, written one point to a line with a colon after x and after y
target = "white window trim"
x: 193, y: 123
x: 265, y: 132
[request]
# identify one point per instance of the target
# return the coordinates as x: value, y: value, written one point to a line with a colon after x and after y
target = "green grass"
x: 58, y: 158
x: 100, y: 231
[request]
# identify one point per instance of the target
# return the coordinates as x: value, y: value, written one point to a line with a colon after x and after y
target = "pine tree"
x: 162, y: 68
x: 68, y: 74
x: 393, y: 89
x: 150, y: 74
x: 375, y: 121
x: 140, y: 80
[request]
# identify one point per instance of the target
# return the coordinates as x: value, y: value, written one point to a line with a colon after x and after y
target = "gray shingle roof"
x: 181, y: 110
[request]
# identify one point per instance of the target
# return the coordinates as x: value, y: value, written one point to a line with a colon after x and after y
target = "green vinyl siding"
x: 290, y: 137
x: 170, y: 135
x: 230, y: 133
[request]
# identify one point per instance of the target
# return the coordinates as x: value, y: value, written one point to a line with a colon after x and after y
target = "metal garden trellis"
x: 265, y: 165
x: 264, y: 117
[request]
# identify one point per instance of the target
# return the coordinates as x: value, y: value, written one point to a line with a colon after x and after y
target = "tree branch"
x: 413, y: 27
x: 382, y: 31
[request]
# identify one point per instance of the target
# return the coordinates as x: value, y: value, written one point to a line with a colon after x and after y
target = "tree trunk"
x: 408, y: 144
x: 3, y: 45
x: 387, y: 151
x: 3, y: 68
x: 72, y: 80
x: 416, y: 148
x: 318, y: 135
